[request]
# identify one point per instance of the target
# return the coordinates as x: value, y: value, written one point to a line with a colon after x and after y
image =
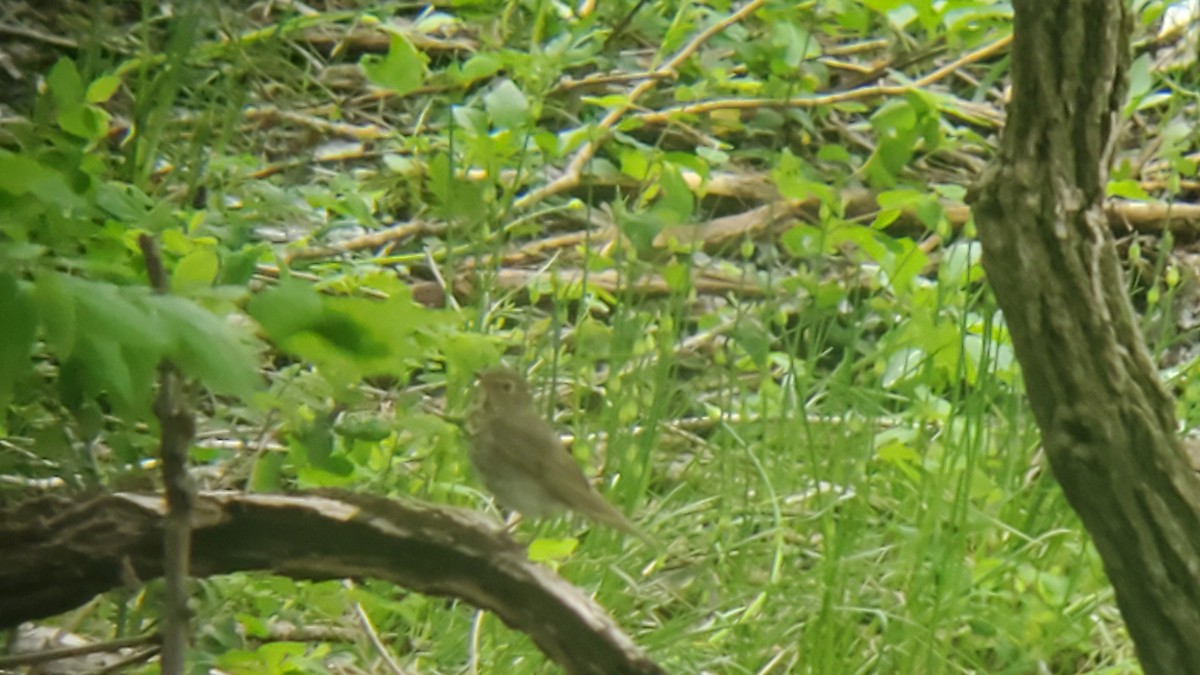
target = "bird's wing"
x: 540, y: 452
x: 536, y: 448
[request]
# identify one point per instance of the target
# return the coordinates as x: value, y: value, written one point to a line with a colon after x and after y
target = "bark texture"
x: 1107, y: 423
x: 57, y: 553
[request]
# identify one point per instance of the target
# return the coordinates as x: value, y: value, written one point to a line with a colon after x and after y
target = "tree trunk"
x: 1107, y: 424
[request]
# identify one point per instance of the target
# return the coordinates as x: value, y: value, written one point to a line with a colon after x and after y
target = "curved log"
x: 60, y: 552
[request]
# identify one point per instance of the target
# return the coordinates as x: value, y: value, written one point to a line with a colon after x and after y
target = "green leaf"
x: 799, y: 44
x: 335, y: 472
x: 273, y: 658
x: 17, y: 333
x: 835, y: 153
x: 894, y: 117
x: 21, y: 175
x: 401, y: 70
x: 635, y: 163
x: 473, y: 121
x: 348, y: 337
x: 900, y: 198
x: 752, y: 337
x: 239, y: 266
x: 593, y: 338
x: 960, y: 264
x: 101, y: 89
x: 678, y: 277
x: 195, y: 270
x: 111, y: 313
x: 267, y: 474
x: 688, y: 160
x: 904, y: 265
x: 126, y: 202
x: 206, y: 347
x: 289, y: 308
x: 1140, y: 80
x: 885, y: 217
x: 56, y: 308
x: 641, y: 228
x: 552, y: 550
x: 104, y: 367
x: 930, y: 212
x: 802, y: 240
x: 712, y: 156
x: 466, y: 353
x: 458, y: 200
x: 902, y: 457
x: 507, y: 106
x: 902, y: 365
x: 369, y: 428
x: 85, y: 121
x: 677, y: 202
x: 478, y: 67
x: 1129, y: 189
x: 896, y: 126
x: 71, y: 383
x: 794, y: 180
x: 253, y: 626
x: 342, y: 331
x: 65, y: 84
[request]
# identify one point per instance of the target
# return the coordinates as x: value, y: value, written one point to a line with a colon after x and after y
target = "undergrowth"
x: 812, y: 406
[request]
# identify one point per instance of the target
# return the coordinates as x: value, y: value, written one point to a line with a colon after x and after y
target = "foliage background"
x: 810, y: 403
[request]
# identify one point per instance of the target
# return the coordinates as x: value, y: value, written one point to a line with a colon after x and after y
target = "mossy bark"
x: 1107, y: 423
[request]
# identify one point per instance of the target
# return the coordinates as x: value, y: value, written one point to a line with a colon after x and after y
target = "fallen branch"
x: 60, y: 552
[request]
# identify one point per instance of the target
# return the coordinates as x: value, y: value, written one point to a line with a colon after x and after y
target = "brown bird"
x: 520, y: 459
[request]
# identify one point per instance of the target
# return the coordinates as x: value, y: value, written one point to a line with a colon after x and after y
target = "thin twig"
x: 178, y: 426
x: 46, y: 655
x: 663, y: 116
x: 373, y: 636
x: 574, y: 171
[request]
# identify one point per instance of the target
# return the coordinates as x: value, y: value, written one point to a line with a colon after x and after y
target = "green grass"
x: 840, y: 467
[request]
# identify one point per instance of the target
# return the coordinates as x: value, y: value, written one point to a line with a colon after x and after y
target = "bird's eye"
x: 508, y: 387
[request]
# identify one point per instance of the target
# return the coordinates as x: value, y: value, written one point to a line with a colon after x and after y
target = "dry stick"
x: 44, y: 656
x: 369, y: 240
x: 663, y: 116
x: 571, y: 177
x: 122, y: 665
x: 568, y: 83
x: 870, y: 45
x: 178, y: 426
x: 368, y: 627
x: 362, y: 132
x: 29, y: 33
x: 273, y: 272
x: 1182, y: 219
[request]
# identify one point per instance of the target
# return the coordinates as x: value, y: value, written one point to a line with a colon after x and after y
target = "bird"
x: 522, y: 461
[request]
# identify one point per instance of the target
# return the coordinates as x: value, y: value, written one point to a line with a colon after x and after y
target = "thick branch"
x: 1107, y: 423
x: 59, y: 553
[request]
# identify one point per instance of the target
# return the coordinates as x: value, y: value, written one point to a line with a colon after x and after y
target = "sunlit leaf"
x: 101, y: 89
x: 401, y: 70
x: 197, y: 269
x: 544, y: 550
